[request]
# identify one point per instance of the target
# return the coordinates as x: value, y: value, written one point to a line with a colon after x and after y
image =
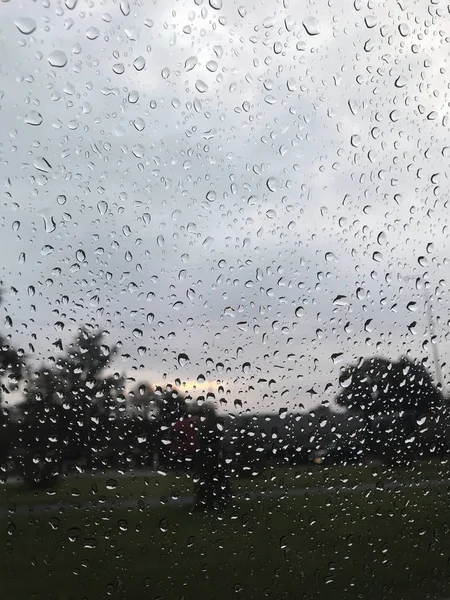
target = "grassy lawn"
x: 374, y: 545
x: 85, y: 487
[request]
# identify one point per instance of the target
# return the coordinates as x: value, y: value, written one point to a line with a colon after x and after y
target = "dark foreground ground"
x: 376, y: 544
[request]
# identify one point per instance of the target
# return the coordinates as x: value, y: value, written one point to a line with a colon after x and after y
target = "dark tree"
x: 69, y: 403
x: 390, y: 396
x: 377, y: 386
x: 12, y: 364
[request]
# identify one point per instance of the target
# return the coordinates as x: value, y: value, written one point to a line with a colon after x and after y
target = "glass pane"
x: 224, y: 345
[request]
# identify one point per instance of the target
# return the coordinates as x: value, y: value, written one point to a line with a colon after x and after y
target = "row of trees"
x: 71, y: 409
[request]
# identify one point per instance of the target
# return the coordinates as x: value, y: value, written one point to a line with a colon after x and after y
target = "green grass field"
x: 84, y: 487
x: 372, y: 545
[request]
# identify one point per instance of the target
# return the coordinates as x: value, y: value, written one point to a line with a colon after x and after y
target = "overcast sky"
x: 245, y: 184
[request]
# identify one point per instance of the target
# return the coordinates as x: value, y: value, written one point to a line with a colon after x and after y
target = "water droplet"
x: 25, y: 25
x: 212, y: 66
x: 190, y: 63
x: 33, y: 118
x: 403, y: 29
x: 291, y: 84
x: 124, y: 7
x: 165, y: 73
x: 137, y: 333
x: 71, y: 4
x: 102, y: 207
x: 49, y: 223
x: 299, y: 312
x: 370, y: 21
x: 138, y: 150
x: 80, y: 255
x: 42, y: 164
x: 164, y: 525
x: 61, y: 199
x: 311, y: 25
x: 211, y: 196
x: 46, y: 250
x: 201, y: 86
x: 183, y: 359
x: 272, y: 184
x: 57, y: 59
x: 215, y: 4
x: 139, y: 63
x: 160, y: 240
x: 92, y: 33
x: 119, y: 68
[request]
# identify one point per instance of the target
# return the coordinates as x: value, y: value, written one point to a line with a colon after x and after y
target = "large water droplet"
x: 201, y: 86
x: 190, y: 63
x: 139, y: 63
x: 92, y: 33
x: 33, y: 118
x: 57, y: 58
x: 311, y: 25
x: 25, y: 25
x: 272, y: 184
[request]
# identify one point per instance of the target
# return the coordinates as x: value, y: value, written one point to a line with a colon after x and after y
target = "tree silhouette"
x: 12, y: 365
x: 377, y: 386
x: 390, y: 396
x: 69, y: 404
